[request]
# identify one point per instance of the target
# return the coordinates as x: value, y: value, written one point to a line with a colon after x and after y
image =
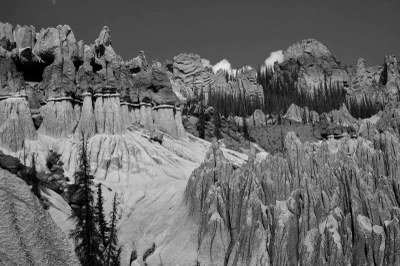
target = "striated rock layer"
x: 28, y: 234
x: 327, y: 203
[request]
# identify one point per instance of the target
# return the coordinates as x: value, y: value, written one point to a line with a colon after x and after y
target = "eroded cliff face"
x: 326, y: 203
x: 28, y: 234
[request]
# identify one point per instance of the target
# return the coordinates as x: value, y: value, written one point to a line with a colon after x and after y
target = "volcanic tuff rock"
x: 28, y: 234
x: 59, y: 73
x: 302, y: 208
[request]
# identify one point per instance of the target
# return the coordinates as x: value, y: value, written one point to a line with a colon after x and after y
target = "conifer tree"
x: 34, y: 180
x: 113, y: 252
x: 217, y: 125
x: 86, y: 235
x: 245, y: 129
x: 201, y: 123
x: 384, y: 75
x: 304, y: 117
x: 103, y: 227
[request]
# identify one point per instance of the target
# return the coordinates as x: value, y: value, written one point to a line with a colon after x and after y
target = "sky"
x: 243, y: 32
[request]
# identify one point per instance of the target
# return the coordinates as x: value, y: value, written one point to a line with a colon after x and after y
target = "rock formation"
x: 301, y: 115
x: 28, y: 234
x: 313, y: 64
x: 377, y: 83
x: 305, y: 208
x: 72, y: 83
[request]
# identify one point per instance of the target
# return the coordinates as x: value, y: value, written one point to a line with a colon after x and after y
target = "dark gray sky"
x: 244, y: 32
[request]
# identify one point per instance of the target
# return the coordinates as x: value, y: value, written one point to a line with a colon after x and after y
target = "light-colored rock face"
x: 59, y: 119
x: 365, y: 76
x: 301, y: 115
x: 16, y: 124
x: 28, y: 234
x: 257, y: 119
x: 189, y: 68
x: 164, y: 120
x: 104, y: 114
x: 310, y: 47
x: 24, y: 37
x: 108, y: 116
x: 341, y: 117
x: 87, y: 122
x: 314, y: 65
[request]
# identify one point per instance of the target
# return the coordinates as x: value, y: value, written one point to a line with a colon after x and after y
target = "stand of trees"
x: 95, y: 239
x: 362, y: 109
x: 227, y: 103
x: 280, y: 91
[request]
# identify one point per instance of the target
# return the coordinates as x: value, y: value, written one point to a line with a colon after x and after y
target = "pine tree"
x: 384, y: 75
x: 113, y: 253
x: 103, y: 227
x: 217, y: 125
x: 245, y: 129
x: 201, y: 123
x: 304, y: 117
x: 86, y: 235
x: 34, y: 180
